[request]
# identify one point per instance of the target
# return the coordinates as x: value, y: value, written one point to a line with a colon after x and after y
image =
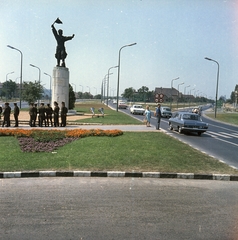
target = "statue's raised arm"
x: 60, y: 49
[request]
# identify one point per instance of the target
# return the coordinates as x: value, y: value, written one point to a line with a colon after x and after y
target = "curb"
x: 33, y: 174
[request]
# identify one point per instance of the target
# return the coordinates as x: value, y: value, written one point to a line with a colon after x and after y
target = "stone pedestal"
x: 60, y: 86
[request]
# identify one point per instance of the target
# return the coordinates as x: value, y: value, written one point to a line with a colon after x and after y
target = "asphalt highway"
x: 220, y: 141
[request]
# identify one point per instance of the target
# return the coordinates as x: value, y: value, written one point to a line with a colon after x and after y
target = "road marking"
x: 219, y: 135
x: 228, y: 134
x: 217, y: 138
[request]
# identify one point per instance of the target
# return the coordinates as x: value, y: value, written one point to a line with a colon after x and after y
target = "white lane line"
x: 219, y: 135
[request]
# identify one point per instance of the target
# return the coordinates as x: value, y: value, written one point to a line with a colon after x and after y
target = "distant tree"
x: 143, y: 93
x: 72, y: 97
x: 98, y: 96
x: 128, y: 93
x: 234, y: 94
x: 8, y: 89
x: 31, y: 91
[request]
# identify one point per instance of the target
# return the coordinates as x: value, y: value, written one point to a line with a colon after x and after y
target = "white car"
x: 137, y: 109
x: 122, y: 105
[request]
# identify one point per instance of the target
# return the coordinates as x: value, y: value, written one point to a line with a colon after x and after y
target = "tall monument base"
x: 60, y: 86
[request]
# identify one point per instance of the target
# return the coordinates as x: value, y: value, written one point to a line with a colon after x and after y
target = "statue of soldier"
x: 60, y: 49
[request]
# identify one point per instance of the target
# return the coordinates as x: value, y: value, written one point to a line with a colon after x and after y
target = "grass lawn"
x: 147, y: 151
x: 228, y: 117
x: 111, y: 116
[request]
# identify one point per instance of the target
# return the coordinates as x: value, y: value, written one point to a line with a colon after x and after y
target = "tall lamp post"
x: 39, y: 76
x: 82, y: 90
x: 20, y: 93
x: 185, y: 93
x: 172, y: 90
x: 178, y: 93
x: 209, y: 59
x: 190, y: 95
x: 108, y: 80
x: 50, y: 84
x: 118, y: 78
x: 7, y: 83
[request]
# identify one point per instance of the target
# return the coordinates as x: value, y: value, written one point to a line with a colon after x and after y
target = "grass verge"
x: 111, y: 116
x: 228, y: 117
x: 147, y: 151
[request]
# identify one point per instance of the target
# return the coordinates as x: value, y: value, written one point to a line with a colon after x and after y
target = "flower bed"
x: 37, y: 140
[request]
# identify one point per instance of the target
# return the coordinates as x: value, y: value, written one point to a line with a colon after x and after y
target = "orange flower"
x: 68, y: 133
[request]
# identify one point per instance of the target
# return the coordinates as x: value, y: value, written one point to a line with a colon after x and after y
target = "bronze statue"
x: 60, y: 49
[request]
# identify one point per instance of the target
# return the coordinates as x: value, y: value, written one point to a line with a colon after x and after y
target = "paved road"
x: 220, y: 141
x: 113, y: 208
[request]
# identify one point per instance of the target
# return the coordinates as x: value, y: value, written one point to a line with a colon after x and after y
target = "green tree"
x: 72, y: 97
x: 9, y: 89
x: 234, y: 94
x: 143, y: 93
x: 31, y: 91
x: 128, y: 93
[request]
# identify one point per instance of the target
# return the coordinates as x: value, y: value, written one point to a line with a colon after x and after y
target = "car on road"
x: 166, y: 112
x: 122, y: 105
x: 187, y: 122
x: 137, y: 109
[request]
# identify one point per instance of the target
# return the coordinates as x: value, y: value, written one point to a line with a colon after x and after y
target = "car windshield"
x: 167, y: 109
x: 138, y: 106
x: 190, y: 117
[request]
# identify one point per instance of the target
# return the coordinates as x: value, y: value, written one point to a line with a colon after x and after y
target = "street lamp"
x: 7, y: 83
x: 39, y: 75
x: 172, y: 90
x: 88, y: 88
x: 20, y: 93
x: 185, y: 93
x: 96, y: 90
x: 108, y: 81
x: 129, y: 45
x: 82, y: 90
x: 178, y: 93
x: 209, y: 59
x: 50, y: 84
x: 190, y: 95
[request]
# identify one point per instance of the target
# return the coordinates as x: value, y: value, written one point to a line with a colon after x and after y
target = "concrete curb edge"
x: 34, y: 174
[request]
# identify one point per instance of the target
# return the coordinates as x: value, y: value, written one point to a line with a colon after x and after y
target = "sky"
x: 173, y: 37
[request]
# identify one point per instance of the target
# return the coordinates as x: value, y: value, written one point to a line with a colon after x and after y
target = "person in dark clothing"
x: 49, y: 112
x: 158, y: 115
x: 42, y: 115
x: 6, y: 115
x: 16, y: 112
x: 34, y: 109
x: 33, y: 115
x: 0, y: 112
x: 56, y: 114
x: 64, y: 111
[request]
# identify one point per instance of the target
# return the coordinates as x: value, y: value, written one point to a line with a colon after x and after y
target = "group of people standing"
x: 157, y: 114
x: 6, y: 112
x: 45, y: 115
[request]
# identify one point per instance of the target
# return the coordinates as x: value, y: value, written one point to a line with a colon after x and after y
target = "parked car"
x: 187, y: 122
x: 166, y: 112
x: 122, y: 105
x: 137, y: 109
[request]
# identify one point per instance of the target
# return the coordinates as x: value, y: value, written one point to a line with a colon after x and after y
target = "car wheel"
x: 199, y: 133
x: 179, y: 130
x: 170, y: 126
